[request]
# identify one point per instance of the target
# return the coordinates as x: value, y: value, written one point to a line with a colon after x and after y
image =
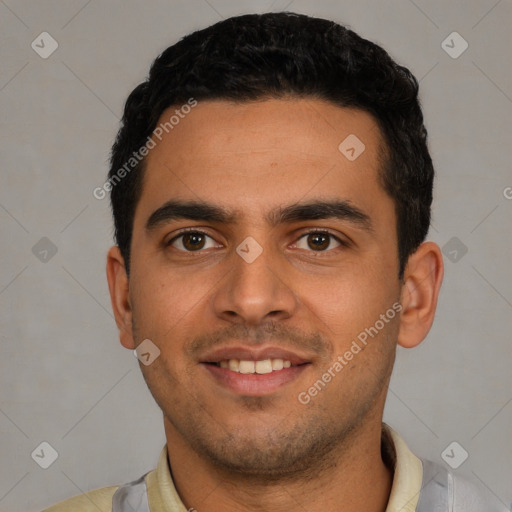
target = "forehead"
x: 247, y: 156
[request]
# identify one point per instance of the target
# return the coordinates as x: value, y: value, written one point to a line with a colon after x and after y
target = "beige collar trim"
x: 408, y: 475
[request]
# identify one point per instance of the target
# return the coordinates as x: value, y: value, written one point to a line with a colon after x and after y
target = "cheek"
x: 351, y: 303
x: 163, y: 300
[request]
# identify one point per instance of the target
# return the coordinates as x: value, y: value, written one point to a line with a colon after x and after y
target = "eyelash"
x: 342, y: 243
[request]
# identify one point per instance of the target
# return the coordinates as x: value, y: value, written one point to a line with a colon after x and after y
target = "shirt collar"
x: 407, y: 474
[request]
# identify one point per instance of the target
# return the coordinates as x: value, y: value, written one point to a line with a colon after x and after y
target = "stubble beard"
x: 280, y: 451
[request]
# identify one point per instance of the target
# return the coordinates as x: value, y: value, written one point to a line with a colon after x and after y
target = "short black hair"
x: 277, y: 55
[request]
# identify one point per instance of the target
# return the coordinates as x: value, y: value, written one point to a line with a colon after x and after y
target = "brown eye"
x: 318, y: 241
x: 192, y: 241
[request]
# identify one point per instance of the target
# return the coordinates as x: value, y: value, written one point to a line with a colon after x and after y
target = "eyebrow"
x: 208, y: 212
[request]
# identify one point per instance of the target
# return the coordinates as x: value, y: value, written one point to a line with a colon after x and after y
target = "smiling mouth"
x: 254, y: 367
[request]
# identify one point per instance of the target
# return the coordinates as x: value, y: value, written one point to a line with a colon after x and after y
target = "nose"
x: 255, y: 291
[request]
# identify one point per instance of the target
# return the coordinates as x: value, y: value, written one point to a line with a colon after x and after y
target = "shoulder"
x: 93, y: 501
x: 472, y: 496
x: 454, y: 492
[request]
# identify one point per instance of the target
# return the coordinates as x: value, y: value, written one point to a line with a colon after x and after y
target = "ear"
x: 421, y: 284
x: 120, y: 296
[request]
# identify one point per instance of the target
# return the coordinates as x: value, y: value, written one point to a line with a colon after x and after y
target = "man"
x: 271, y: 189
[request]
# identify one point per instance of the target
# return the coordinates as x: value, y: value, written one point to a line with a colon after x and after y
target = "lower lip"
x: 254, y: 384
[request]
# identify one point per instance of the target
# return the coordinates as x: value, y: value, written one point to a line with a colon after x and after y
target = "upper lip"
x: 252, y: 354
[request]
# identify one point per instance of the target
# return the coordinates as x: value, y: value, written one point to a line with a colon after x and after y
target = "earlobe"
x: 118, y: 285
x: 422, y: 281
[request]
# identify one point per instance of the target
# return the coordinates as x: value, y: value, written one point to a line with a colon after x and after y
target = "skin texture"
x: 267, y: 451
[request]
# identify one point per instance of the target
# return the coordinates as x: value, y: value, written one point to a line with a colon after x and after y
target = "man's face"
x: 258, y: 285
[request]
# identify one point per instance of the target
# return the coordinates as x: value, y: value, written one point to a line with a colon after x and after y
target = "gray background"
x: 65, y: 378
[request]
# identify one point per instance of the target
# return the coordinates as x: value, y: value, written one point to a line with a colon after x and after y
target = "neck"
x: 353, y: 474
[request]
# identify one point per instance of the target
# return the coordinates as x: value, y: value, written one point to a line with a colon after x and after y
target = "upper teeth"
x: 265, y: 366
